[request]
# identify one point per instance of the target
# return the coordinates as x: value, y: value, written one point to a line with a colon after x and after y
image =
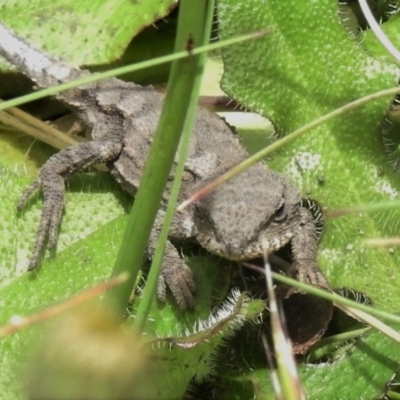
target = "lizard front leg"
x: 51, y: 180
x: 178, y: 277
x: 175, y: 274
x: 304, y: 248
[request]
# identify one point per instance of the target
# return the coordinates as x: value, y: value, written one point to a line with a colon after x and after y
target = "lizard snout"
x: 234, y: 250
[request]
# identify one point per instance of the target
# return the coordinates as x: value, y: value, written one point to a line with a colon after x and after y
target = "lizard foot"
x: 51, y: 217
x: 51, y: 181
x: 308, y: 271
x: 179, y: 278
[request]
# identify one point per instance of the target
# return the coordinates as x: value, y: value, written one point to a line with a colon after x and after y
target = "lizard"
x: 250, y: 216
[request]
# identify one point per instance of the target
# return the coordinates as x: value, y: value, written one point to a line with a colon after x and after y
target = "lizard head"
x: 255, y: 213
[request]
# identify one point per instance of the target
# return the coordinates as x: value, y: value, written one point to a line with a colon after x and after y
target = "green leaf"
x: 306, y: 67
x: 84, y: 32
x: 296, y: 80
x: 86, y: 261
x: 93, y: 200
x: 361, y: 373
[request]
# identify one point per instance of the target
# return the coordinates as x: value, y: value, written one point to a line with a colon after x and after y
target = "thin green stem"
x: 330, y: 344
x: 286, y: 366
x: 340, y: 337
x: 393, y: 395
x: 336, y: 298
x: 149, y: 293
x: 182, y: 54
x: 279, y: 143
x: 161, y: 156
x: 382, y: 205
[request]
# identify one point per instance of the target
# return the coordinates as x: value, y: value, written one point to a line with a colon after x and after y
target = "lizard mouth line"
x: 251, y: 251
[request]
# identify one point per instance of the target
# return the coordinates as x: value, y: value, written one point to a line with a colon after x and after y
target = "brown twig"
x: 18, y: 323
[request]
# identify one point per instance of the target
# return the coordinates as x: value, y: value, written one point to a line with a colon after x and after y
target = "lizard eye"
x: 197, y: 211
x: 280, y: 214
x: 203, y: 215
x: 205, y: 221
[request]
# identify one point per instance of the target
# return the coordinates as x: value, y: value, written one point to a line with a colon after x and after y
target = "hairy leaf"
x: 307, y: 66
x: 85, y: 32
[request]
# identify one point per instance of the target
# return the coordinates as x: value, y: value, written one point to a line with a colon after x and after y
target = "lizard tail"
x: 40, y: 67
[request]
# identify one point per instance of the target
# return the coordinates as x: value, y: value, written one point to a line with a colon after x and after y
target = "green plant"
x: 307, y: 66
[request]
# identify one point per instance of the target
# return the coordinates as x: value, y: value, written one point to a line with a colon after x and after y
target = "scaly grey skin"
x: 252, y: 215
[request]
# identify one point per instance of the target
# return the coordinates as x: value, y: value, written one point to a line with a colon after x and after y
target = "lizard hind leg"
x: 51, y: 181
x: 50, y: 219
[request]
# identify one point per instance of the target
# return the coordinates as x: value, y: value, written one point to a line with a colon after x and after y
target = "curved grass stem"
x: 279, y: 143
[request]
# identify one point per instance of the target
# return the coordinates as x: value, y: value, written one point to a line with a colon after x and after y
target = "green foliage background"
x: 307, y: 66
x: 293, y: 80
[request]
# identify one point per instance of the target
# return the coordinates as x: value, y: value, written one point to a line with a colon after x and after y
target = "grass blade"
x: 161, y: 155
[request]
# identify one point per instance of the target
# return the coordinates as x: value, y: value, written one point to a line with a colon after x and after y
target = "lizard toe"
x: 161, y: 289
x: 27, y: 194
x: 179, y: 279
x: 308, y: 271
x: 55, y: 222
x: 51, y: 216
